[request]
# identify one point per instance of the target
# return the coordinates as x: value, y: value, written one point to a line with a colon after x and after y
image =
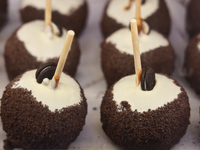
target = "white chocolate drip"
x: 37, y: 43
x: 66, y: 94
x: 123, y: 41
x: 65, y: 7
x: 116, y: 10
x: 165, y: 91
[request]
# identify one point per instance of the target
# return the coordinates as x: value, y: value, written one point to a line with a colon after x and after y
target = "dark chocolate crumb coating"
x: 76, y: 21
x: 116, y: 65
x: 192, y: 63
x: 159, y: 21
x: 18, y: 59
x: 193, y: 18
x: 30, y: 125
x: 3, y: 12
x: 158, y: 129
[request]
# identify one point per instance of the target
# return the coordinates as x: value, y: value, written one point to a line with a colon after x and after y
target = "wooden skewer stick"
x: 138, y: 15
x: 136, y: 50
x: 63, y: 56
x: 129, y: 5
x: 48, y: 13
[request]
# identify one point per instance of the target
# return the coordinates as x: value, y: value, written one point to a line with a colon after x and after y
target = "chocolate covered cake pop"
x: 191, y: 63
x: 193, y: 18
x: 116, y: 15
x: 44, y: 109
x: 146, y: 110
x: 38, y: 116
x: 117, y: 54
x: 71, y: 14
x: 3, y: 12
x: 141, y: 120
x: 30, y: 46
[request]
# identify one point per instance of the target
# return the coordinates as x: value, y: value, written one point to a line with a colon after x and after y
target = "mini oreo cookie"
x: 148, y: 79
x: 45, y: 71
x: 143, y: 2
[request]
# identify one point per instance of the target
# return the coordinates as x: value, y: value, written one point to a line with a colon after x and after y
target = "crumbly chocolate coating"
x: 193, y: 18
x: 76, y: 21
x: 3, y: 12
x: 18, y: 59
x: 116, y: 65
x: 159, y: 21
x: 191, y: 63
x: 30, y: 125
x: 158, y: 129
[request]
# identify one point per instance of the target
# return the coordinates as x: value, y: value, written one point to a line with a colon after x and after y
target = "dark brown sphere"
x: 192, y: 63
x: 159, y: 21
x: 31, y: 125
x: 158, y: 129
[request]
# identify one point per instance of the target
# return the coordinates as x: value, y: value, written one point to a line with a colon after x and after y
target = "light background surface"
x: 91, y: 78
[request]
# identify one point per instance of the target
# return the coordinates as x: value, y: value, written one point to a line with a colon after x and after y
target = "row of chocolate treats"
x: 39, y: 111
x: 114, y: 16
x: 157, y: 17
x: 148, y: 114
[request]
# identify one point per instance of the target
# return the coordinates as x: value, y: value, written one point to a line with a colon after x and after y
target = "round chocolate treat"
x: 145, y: 120
x: 37, y: 116
x: 191, y: 63
x: 154, y: 12
x: 71, y: 14
x: 3, y: 12
x: 117, y: 58
x: 193, y: 18
x: 30, y: 46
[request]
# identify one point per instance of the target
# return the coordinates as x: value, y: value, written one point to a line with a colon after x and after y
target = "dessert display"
x: 90, y: 77
x: 145, y: 110
x: 118, y: 13
x: 35, y: 43
x: 191, y: 63
x: 193, y: 18
x: 43, y: 115
x: 71, y: 14
x: 3, y: 12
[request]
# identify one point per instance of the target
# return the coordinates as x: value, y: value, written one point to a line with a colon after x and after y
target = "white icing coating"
x: 123, y: 41
x: 164, y: 91
x: 37, y: 42
x: 65, y: 7
x: 116, y: 10
x: 66, y: 94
